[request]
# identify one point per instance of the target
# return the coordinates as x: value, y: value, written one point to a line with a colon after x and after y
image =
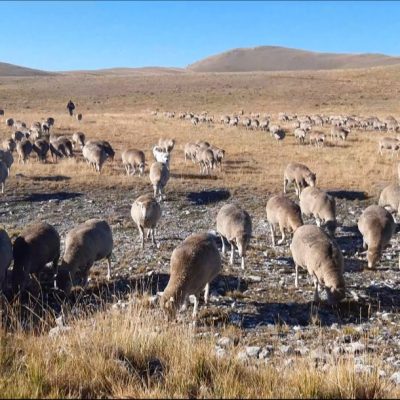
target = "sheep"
x: 160, y: 155
x: 19, y: 124
x: 18, y: 136
x: 338, y: 132
x: 321, y: 205
x: 60, y: 147
x: 3, y: 175
x: 146, y: 212
x: 9, y: 145
x: 86, y: 243
x: 317, y: 137
x: 1, y: 112
x: 390, y: 197
x: 159, y: 176
x: 254, y: 124
x: 234, y: 121
x: 45, y: 128
x: 132, y: 159
x: 279, y: 135
x: 78, y: 138
x: 9, y: 122
x: 300, y: 135
x: 166, y: 144
x: 205, y: 158
x: 389, y: 143
x: 190, y: 150
x: 50, y: 121
x: 6, y: 256
x: 104, y: 145
x: 245, y: 122
x: 41, y: 148
x: 377, y: 226
x: 79, y: 117
x: 264, y: 124
x: 194, y: 264
x: 219, y: 154
x: 37, y: 245
x: 314, y: 250
x: 300, y: 175
x: 7, y: 158
x: 95, y: 155
x: 234, y: 225
x: 225, y: 119
x: 285, y: 213
x: 24, y: 149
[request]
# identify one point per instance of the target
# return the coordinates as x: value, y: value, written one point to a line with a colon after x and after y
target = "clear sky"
x: 58, y: 36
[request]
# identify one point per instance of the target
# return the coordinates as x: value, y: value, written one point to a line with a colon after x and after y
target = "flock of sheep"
x: 196, y: 261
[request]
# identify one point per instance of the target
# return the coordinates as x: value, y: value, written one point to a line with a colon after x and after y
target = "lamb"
x: 78, y: 138
x: 317, y: 138
x: 146, y: 212
x: 321, y: 205
x: 283, y: 212
x: 7, y: 158
x: 194, y: 264
x: 159, y: 176
x: 24, y: 149
x: 9, y: 145
x: 6, y: 256
x: 3, y: 175
x: 132, y: 159
x: 314, y: 250
x: 41, y: 148
x: 37, y: 245
x: 300, y: 175
x: 166, y: 144
x: 388, y: 143
x: 95, y: 155
x: 390, y: 197
x: 86, y: 243
x: 300, y: 135
x: 234, y: 225
x: 377, y: 226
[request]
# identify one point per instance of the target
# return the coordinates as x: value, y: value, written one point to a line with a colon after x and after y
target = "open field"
x: 125, y: 348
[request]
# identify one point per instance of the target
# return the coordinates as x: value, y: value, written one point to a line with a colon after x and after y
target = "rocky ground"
x: 258, y: 314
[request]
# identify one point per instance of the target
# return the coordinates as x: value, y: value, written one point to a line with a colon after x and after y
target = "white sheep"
x: 314, y: 250
x: 300, y: 175
x: 159, y: 176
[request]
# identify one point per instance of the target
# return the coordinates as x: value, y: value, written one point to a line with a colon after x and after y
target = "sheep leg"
x: 296, y: 279
x: 206, y: 293
x: 316, y: 294
x: 109, y: 267
x: 2, y: 187
x: 285, y: 182
x: 232, y: 252
x: 242, y: 263
x: 127, y: 169
x: 364, y: 244
x: 283, y: 235
x: 184, y: 304
x: 148, y: 233
x: 55, y: 270
x: 223, y: 245
x: 153, y: 239
x: 141, y: 232
x: 318, y: 221
x: 272, y: 234
x: 196, y: 306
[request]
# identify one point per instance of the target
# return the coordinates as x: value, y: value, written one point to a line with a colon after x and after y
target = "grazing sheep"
x: 377, y: 226
x: 78, y: 138
x: 3, y: 175
x: 6, y: 256
x: 234, y: 121
x: 9, y: 145
x: 390, y: 197
x: 388, y: 143
x: 86, y: 243
x: 50, y: 121
x: 9, y: 122
x: 45, y: 128
x: 338, y: 132
x: 132, y: 159
x: 300, y: 135
x: 146, y: 212
x: 95, y: 156
x: 300, y: 175
x: 285, y: 213
x: 255, y: 124
x: 190, y: 150
x: 314, y: 250
x: 205, y: 158
x: 219, y: 154
x: 105, y: 145
x: 279, y: 135
x: 166, y: 144
x: 321, y: 205
x: 24, y: 149
x: 18, y: 136
x: 7, y: 158
x: 264, y: 124
x: 234, y: 225
x: 41, y: 147
x: 37, y: 245
x: 159, y: 176
x: 60, y: 147
x: 19, y: 125
x: 194, y: 264
x: 317, y: 138
x: 225, y: 119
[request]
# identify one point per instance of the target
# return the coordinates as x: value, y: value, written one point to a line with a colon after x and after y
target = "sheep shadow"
x: 208, y: 196
x: 51, y: 178
x: 348, y: 194
x: 195, y: 176
x: 38, y: 197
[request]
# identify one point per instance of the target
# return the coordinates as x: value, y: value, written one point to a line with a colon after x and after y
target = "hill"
x: 273, y: 58
x: 16, y: 70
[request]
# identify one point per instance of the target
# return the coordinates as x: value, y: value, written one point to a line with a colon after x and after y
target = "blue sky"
x: 64, y: 35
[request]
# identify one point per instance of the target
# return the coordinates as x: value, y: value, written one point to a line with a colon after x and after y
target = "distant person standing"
x: 71, y: 107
